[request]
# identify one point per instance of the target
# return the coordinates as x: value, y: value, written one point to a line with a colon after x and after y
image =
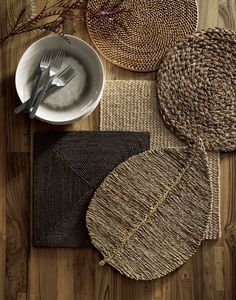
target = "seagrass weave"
x: 133, y: 106
x: 197, y: 88
x: 138, y: 38
x: 150, y: 214
x: 68, y: 168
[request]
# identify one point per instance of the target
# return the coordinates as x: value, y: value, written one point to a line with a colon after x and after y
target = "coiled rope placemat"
x: 150, y: 214
x: 197, y: 88
x: 133, y: 106
x: 137, y: 38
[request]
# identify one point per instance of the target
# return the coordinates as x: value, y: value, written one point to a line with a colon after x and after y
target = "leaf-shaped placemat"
x: 150, y: 214
x: 121, y: 109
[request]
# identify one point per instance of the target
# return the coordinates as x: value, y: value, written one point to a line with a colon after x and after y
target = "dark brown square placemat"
x: 68, y: 168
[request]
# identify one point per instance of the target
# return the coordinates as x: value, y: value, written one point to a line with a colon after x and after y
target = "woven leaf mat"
x: 150, y: 214
x: 68, y: 168
x: 133, y: 106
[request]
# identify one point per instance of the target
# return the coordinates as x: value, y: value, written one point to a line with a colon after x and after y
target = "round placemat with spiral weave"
x: 197, y: 88
x: 136, y: 34
x: 150, y: 214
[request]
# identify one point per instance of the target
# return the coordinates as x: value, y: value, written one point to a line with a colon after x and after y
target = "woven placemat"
x: 68, y: 168
x: 148, y: 232
x: 138, y: 38
x: 197, y: 88
x: 132, y: 105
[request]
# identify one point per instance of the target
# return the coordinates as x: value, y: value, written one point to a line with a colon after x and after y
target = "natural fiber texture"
x: 133, y: 106
x: 197, y: 88
x: 68, y: 168
x: 138, y: 39
x: 150, y: 214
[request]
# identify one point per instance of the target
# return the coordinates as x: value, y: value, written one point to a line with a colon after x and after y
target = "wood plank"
x: 18, y: 129
x: 65, y: 276
x: 227, y: 19
x: 208, y: 13
x: 3, y: 102
x: 228, y: 194
x: 17, y: 170
x: 84, y: 264
x: 2, y: 200
x: 42, y: 276
x: 18, y: 215
x: 227, y: 14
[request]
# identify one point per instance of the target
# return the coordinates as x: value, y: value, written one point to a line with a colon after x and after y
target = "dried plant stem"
x: 60, y: 12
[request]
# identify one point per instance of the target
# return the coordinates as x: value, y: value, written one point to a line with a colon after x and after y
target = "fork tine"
x: 68, y: 73
x: 46, y: 56
x: 72, y: 76
x: 50, y: 56
x: 58, y: 59
x: 67, y: 69
x: 55, y: 54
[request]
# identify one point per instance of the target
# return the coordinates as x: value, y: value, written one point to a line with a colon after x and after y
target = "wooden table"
x: 67, y: 274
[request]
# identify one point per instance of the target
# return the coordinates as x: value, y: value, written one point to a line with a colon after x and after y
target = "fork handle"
x: 23, y: 106
x: 37, y: 87
x: 27, y: 105
x: 40, y: 98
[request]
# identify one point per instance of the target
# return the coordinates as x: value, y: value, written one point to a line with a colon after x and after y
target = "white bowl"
x: 80, y: 96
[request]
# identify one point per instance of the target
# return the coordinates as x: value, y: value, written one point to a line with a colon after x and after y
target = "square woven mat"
x: 133, y: 106
x: 68, y: 168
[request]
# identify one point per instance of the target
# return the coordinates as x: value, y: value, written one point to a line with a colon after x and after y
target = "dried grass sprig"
x: 51, y: 18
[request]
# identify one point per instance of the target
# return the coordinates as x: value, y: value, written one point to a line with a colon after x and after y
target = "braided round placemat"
x: 139, y: 34
x: 150, y: 214
x: 197, y: 88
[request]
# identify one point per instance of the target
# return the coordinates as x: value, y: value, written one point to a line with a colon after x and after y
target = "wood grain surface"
x: 73, y: 274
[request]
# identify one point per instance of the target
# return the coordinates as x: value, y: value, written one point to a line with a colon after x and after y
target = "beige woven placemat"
x: 147, y: 232
x: 132, y: 105
x: 197, y: 88
x: 138, y: 38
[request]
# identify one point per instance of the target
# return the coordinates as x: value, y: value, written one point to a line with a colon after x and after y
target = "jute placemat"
x: 139, y: 34
x: 197, y: 88
x: 150, y: 214
x: 68, y: 168
x: 132, y: 105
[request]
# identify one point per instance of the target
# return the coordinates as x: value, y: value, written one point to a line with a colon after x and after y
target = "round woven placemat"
x: 138, y: 38
x: 197, y: 88
x: 150, y: 214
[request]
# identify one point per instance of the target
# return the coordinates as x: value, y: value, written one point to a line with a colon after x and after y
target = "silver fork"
x: 60, y: 80
x: 43, y: 67
x: 54, y: 68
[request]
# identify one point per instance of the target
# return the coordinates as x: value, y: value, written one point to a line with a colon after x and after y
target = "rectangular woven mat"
x: 68, y: 168
x: 133, y: 106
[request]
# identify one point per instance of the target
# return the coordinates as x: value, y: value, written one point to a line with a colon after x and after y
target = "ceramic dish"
x: 79, y: 97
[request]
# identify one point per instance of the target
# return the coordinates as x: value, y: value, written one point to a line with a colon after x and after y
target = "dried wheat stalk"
x: 51, y: 17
